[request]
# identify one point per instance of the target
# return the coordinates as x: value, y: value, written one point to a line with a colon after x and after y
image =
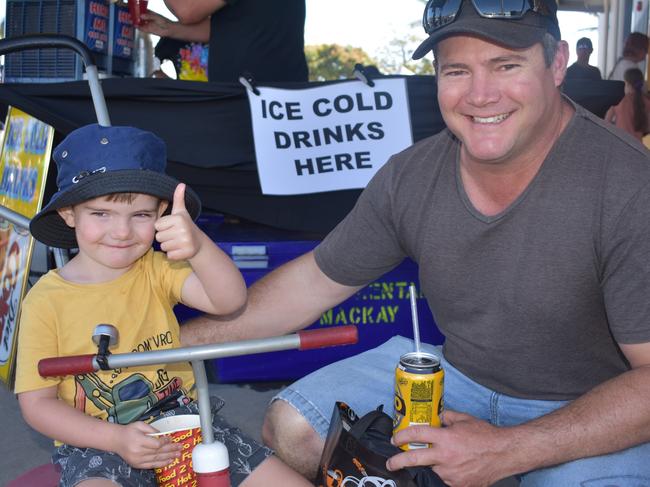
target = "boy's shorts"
x: 79, y: 464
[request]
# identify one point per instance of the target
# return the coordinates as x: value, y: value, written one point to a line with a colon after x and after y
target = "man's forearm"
x: 250, y: 323
x: 289, y: 299
x: 269, y: 311
x: 611, y: 417
x: 193, y: 11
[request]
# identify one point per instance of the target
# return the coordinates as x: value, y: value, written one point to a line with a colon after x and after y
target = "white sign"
x: 327, y: 138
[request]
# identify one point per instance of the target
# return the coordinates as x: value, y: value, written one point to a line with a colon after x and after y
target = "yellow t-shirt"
x: 58, y: 319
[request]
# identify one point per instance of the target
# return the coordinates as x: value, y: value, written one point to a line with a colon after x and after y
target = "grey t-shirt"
x: 533, y: 300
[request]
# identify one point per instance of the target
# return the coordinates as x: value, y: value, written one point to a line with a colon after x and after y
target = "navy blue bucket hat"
x: 95, y: 161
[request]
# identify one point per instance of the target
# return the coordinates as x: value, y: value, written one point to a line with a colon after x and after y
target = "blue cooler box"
x: 380, y: 310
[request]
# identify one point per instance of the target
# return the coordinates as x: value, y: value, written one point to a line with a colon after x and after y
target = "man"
x: 528, y: 218
x: 263, y: 38
x: 581, y: 69
x: 634, y: 51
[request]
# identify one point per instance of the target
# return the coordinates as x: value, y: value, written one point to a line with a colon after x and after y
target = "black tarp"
x: 208, y: 132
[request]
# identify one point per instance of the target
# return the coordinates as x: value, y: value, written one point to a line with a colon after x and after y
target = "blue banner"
x: 96, y: 25
x: 123, y: 33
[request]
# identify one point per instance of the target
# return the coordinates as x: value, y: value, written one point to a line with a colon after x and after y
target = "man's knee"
x: 284, y: 424
x: 292, y: 437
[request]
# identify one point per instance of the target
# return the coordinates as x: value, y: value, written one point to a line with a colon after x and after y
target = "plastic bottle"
x: 143, y: 55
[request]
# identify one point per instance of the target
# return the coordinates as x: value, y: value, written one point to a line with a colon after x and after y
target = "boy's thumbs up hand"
x: 178, y: 205
x: 176, y: 232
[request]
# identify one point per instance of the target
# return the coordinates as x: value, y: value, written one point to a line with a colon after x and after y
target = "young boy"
x: 113, y: 199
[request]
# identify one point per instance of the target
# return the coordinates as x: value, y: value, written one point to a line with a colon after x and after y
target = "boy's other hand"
x: 178, y: 235
x: 140, y: 450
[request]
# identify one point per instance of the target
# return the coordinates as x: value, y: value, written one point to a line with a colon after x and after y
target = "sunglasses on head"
x: 439, y: 13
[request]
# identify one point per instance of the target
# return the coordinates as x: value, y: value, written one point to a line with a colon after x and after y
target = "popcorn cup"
x: 186, y: 430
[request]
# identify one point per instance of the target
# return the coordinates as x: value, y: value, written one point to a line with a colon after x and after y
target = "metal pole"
x: 203, y: 393
x: 302, y: 340
x: 98, y: 96
x: 203, y: 352
x: 15, y: 218
x: 61, y: 257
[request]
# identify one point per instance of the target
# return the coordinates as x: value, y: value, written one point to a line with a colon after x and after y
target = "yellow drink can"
x: 419, y: 385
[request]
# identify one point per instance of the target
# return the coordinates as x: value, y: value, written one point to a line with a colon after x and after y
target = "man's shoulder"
x: 575, y: 67
x: 598, y: 132
x: 577, y: 71
x: 595, y: 72
x: 597, y: 140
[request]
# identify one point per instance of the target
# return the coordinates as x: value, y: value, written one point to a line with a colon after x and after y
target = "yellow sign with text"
x: 24, y: 160
x: 23, y: 163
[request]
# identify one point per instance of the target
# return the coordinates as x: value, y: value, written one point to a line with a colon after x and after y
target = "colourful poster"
x: 24, y: 159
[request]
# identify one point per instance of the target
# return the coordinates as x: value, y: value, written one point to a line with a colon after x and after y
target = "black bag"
x: 356, y: 450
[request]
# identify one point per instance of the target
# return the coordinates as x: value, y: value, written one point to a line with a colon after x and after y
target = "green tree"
x: 395, y: 58
x: 332, y: 61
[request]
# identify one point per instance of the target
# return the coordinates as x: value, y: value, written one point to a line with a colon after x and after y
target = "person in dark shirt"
x: 260, y: 37
x: 581, y: 69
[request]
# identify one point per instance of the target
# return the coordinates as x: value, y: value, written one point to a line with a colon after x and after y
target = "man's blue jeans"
x: 366, y: 381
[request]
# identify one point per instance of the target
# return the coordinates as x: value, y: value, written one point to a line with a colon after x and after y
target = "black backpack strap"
x: 376, y: 428
x: 376, y: 418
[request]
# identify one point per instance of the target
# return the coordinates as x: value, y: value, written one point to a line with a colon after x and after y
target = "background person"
x: 581, y: 69
x: 112, y: 201
x: 528, y: 219
x: 634, y: 52
x: 264, y: 38
x: 631, y: 114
